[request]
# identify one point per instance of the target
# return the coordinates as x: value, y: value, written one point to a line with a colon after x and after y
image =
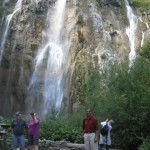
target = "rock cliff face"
x: 97, y: 36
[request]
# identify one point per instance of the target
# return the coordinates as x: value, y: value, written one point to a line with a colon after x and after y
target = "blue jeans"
x: 17, y: 141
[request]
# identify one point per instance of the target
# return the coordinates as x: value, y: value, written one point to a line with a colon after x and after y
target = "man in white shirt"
x: 106, y: 139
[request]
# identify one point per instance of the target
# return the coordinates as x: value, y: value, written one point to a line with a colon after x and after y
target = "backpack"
x: 104, y: 130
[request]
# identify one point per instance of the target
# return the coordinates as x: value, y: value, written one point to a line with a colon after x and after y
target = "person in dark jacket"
x: 18, y: 125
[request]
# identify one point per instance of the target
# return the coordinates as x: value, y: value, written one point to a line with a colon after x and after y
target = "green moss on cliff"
x: 144, y: 4
x: 4, y: 11
x: 1, y: 9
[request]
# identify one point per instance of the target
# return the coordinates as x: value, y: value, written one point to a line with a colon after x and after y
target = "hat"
x: 111, y: 122
x: 32, y: 113
x: 18, y: 113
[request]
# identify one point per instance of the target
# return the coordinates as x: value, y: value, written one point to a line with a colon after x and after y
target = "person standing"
x: 90, y: 131
x: 106, y: 139
x: 33, y: 132
x: 18, y: 125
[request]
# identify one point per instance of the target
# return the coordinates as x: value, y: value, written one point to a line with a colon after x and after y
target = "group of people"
x: 90, y: 129
x: 18, y: 125
x: 90, y: 132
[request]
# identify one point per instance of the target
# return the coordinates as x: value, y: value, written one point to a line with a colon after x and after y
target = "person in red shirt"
x: 90, y: 131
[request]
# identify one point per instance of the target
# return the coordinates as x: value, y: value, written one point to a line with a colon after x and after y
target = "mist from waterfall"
x: 130, y: 31
x: 6, y: 27
x: 49, y: 61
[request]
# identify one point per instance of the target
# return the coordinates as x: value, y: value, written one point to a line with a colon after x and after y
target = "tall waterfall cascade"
x: 130, y: 31
x: 48, y: 49
x: 49, y: 64
x: 6, y: 27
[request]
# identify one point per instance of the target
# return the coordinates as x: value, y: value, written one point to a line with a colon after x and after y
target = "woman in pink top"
x: 33, y: 132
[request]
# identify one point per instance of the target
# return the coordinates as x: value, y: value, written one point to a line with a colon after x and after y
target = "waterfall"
x: 6, y: 27
x: 49, y: 64
x: 140, y: 19
x: 143, y: 33
x: 142, y: 41
x: 130, y: 31
x: 147, y: 25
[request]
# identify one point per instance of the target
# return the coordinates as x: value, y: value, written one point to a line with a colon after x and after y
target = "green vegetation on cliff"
x: 142, y: 4
x: 1, y: 9
x: 4, y: 11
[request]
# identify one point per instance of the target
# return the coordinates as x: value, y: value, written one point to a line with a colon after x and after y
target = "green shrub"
x: 145, y: 145
x: 63, y: 128
x: 127, y: 101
